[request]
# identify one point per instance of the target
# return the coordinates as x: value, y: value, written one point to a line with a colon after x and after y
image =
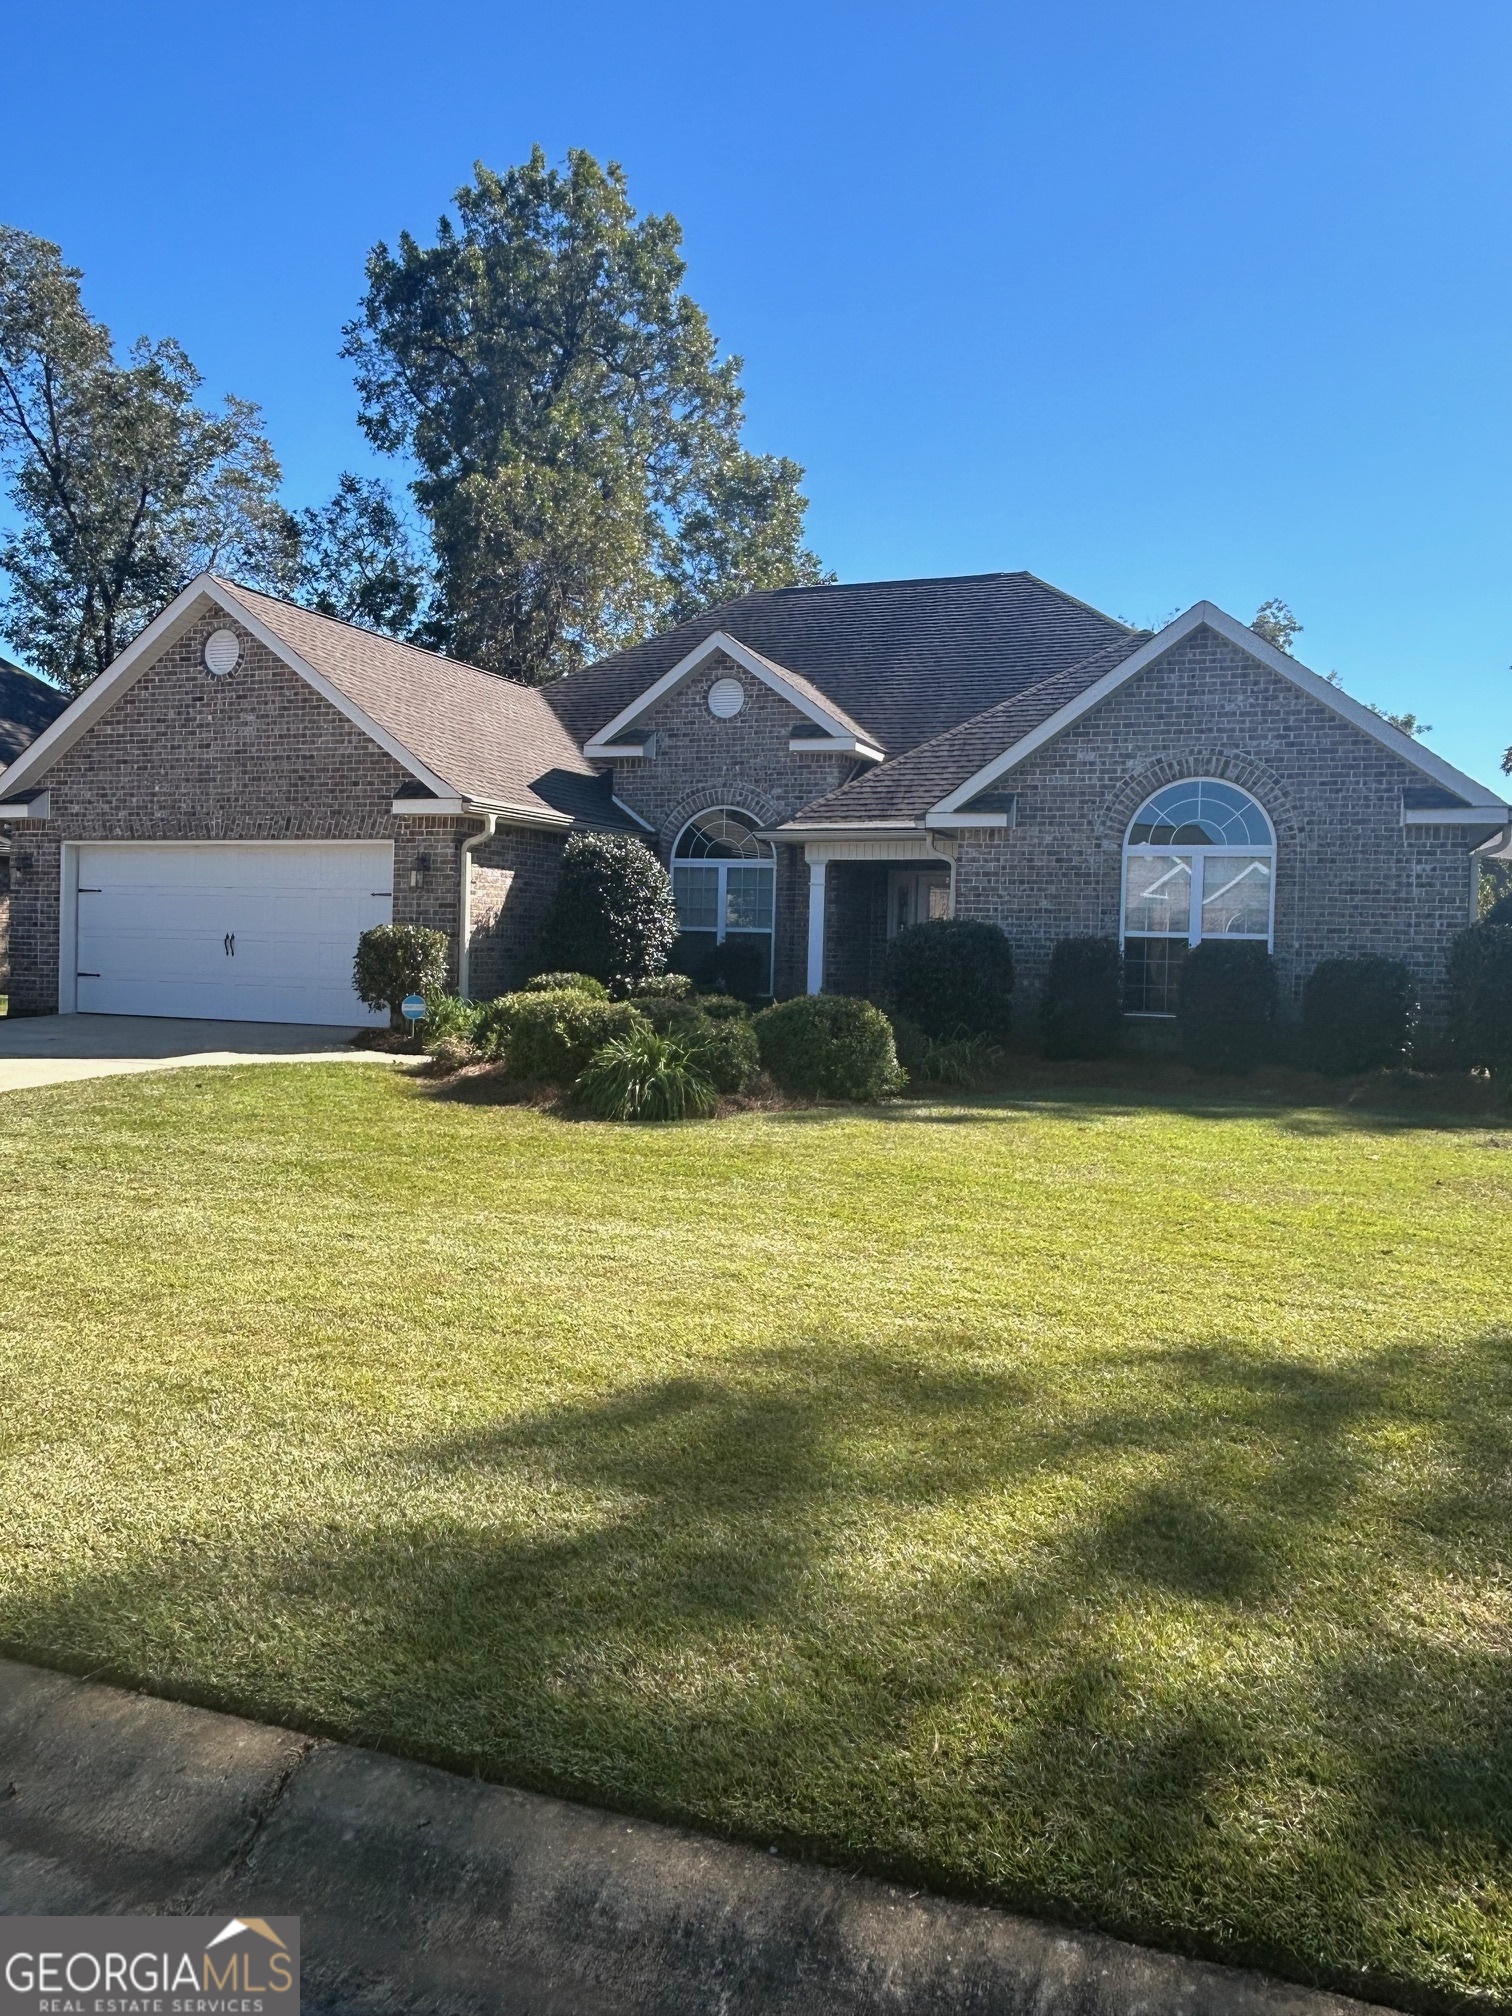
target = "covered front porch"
x: 861, y: 892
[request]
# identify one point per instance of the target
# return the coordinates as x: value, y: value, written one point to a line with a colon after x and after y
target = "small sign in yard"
x: 412, y: 1007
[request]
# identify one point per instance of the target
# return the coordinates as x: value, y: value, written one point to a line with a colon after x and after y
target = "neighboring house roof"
x: 908, y: 659
x: 462, y: 733
x: 908, y: 787
x: 27, y: 707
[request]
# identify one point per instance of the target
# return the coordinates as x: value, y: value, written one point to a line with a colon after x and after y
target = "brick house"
x: 211, y: 825
x: 27, y: 706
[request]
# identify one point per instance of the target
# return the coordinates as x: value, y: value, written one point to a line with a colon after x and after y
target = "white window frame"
x: 766, y: 861
x: 1198, y: 856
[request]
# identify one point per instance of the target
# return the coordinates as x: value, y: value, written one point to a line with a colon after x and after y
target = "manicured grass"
x: 1089, y: 1500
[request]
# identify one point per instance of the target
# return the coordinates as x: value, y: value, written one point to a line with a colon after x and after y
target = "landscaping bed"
x: 1091, y: 1496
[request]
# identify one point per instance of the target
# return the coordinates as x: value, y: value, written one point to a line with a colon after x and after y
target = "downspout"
x: 947, y: 852
x: 464, y: 932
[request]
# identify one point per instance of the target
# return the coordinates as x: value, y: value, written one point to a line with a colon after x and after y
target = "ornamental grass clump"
x: 1357, y: 1015
x: 724, y: 1044
x: 953, y: 977
x: 645, y: 1075
x: 829, y: 1046
x: 1081, y: 1009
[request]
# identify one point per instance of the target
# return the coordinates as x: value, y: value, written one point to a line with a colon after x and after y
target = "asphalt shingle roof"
x: 27, y: 706
x: 905, y: 787
x: 489, y: 738
x: 905, y: 659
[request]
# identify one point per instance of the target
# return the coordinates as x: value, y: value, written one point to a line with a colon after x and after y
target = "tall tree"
x: 357, y: 559
x: 1274, y: 621
x: 576, y: 433
x: 123, y: 485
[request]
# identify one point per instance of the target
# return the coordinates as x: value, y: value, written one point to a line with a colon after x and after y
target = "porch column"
x: 816, y: 927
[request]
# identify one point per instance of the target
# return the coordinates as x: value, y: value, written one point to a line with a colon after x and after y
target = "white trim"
x: 817, y: 868
x: 39, y: 807
x: 454, y: 807
x: 137, y: 659
x: 719, y: 641
x: 835, y: 745
x: 959, y: 819
x: 631, y: 813
x: 1455, y: 815
x: 429, y: 808
x: 68, y: 929
x: 791, y: 836
x: 613, y: 749
x: 1210, y: 615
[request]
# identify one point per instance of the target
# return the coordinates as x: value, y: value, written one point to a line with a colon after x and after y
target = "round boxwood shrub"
x: 566, y: 983
x: 549, y: 1039
x: 1081, y: 1009
x: 952, y: 977
x: 398, y: 959
x: 612, y: 914
x: 724, y: 1045
x: 1357, y: 1014
x: 829, y: 1046
x: 1480, y: 996
x: 1227, y: 1006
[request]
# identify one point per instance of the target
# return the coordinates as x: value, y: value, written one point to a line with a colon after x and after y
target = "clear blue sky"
x: 1160, y: 301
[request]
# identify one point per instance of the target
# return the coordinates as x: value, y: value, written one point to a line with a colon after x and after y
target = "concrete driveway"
x: 49, y: 1049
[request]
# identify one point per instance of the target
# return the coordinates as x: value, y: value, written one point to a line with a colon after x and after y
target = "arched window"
x: 1199, y: 862
x: 725, y: 881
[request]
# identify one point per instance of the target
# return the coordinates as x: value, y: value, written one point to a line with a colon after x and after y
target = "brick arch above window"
x: 1262, y: 783
x: 734, y: 791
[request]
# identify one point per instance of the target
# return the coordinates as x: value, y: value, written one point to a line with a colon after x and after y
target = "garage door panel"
x: 238, y: 931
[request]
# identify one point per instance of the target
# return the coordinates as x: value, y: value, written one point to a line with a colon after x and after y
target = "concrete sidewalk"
x: 52, y: 1049
x: 424, y: 1892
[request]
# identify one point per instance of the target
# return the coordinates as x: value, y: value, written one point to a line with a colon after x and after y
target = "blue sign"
x: 412, y: 1007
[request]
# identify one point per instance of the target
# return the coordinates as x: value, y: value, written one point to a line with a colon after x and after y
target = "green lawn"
x: 1092, y: 1500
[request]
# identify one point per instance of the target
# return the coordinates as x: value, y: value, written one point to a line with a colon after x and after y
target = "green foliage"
x: 1493, y: 891
x: 1227, y: 1007
x: 966, y: 1061
x: 1274, y: 621
x: 358, y: 561
x: 612, y: 915
x: 1480, y: 996
x: 565, y: 983
x: 398, y: 959
x: 1357, y: 1014
x: 548, y: 1039
x: 123, y: 487
x: 725, y: 1007
x: 1081, y: 1009
x: 952, y: 977
x: 740, y: 966
x: 829, y: 1046
x: 450, y: 1020
x: 662, y: 987
x: 577, y: 438
x: 725, y: 1044
x: 645, y: 1075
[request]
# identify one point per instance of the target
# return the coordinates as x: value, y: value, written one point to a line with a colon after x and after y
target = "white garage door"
x: 234, y: 930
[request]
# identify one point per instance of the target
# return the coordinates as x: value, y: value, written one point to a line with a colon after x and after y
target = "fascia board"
x: 959, y: 819
x: 74, y: 721
x: 631, y: 813
x: 868, y: 829
x: 834, y: 745
x: 1210, y: 615
x: 39, y: 807
x: 1456, y: 815
x: 718, y: 641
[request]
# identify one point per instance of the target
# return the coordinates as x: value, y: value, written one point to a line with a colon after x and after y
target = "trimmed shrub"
x: 398, y: 959
x: 741, y: 967
x: 1480, y: 996
x: 1227, y: 1006
x: 612, y: 915
x: 1081, y: 1009
x: 724, y: 1045
x: 566, y: 983
x: 1357, y: 1014
x: 952, y: 977
x: 724, y: 1008
x: 830, y: 1046
x: 548, y: 1039
x: 662, y: 987
x: 1500, y: 912
x: 644, y: 1075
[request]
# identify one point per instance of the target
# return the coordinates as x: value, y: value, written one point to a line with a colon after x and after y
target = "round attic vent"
x: 222, y: 652
x: 726, y: 698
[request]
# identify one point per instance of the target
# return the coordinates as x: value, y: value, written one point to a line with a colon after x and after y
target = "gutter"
x: 464, y: 932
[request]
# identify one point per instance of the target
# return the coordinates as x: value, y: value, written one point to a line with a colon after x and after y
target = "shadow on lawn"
x: 1195, y: 1644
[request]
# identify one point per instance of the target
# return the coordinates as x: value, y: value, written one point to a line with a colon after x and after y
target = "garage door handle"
x: 229, y: 941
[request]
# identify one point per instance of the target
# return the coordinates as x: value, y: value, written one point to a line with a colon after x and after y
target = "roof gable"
x: 464, y: 735
x: 1471, y: 795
